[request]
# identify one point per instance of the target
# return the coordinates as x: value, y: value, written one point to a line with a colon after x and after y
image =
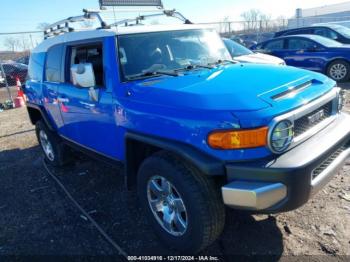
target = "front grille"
x: 317, y: 171
x: 303, y: 124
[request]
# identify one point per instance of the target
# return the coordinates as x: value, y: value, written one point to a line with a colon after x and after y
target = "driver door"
x: 88, y: 113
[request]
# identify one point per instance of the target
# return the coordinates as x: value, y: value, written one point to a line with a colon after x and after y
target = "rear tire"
x: 339, y: 70
x: 184, y: 207
x: 55, y: 152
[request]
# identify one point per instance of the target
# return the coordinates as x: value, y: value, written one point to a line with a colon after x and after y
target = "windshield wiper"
x: 192, y: 67
x: 152, y: 73
x: 223, y: 61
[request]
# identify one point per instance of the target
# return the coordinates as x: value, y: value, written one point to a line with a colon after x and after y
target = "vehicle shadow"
x: 100, y: 190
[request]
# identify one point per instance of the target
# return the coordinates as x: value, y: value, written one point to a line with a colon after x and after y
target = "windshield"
x: 236, y: 49
x: 326, y: 41
x: 168, y: 51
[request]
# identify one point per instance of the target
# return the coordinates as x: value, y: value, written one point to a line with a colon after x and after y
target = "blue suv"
x: 195, y: 130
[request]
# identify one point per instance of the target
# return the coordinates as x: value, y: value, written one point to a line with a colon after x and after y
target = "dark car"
x: 14, y: 71
x: 311, y: 52
x: 333, y: 31
x: 23, y: 60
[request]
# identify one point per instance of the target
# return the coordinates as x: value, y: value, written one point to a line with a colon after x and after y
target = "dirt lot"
x: 36, y: 218
x: 4, y: 95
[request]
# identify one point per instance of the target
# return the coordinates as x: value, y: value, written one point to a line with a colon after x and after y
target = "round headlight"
x: 281, y: 136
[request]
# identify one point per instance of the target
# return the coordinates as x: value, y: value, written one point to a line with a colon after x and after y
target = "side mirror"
x: 83, y: 75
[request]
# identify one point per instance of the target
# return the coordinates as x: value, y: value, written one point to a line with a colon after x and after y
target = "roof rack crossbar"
x: 62, y: 26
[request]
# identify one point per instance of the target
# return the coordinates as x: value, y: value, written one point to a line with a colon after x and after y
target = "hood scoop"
x: 292, y: 91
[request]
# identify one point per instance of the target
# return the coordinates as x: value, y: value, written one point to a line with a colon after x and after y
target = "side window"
x: 325, y: 32
x: 91, y: 53
x: 36, y: 67
x: 299, y: 44
x: 274, y: 45
x: 54, y: 64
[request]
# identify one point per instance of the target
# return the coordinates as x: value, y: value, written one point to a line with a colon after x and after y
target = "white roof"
x: 99, y: 33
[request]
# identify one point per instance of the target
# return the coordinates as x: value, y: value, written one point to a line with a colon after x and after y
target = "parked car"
x: 244, y: 55
x: 246, y: 39
x: 195, y: 130
x: 311, y: 52
x: 333, y: 31
x: 13, y: 71
x: 23, y: 60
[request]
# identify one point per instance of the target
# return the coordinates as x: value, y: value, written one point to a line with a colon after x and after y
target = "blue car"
x: 311, y: 52
x: 332, y: 31
x: 194, y: 130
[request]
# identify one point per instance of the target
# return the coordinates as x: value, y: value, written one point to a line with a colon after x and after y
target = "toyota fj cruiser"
x: 195, y: 130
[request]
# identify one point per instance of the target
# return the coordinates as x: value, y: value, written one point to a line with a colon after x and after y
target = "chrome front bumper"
x: 254, y: 196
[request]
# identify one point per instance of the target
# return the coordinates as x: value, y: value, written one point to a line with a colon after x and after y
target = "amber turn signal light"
x: 239, y: 139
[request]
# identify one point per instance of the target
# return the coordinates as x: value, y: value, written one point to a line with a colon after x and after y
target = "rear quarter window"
x: 36, y: 67
x: 53, y: 68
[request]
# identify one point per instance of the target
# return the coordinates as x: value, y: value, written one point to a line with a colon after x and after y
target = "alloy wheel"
x: 46, y: 145
x: 338, y: 71
x: 167, y: 205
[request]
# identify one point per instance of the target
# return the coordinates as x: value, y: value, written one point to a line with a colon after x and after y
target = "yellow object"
x: 241, y: 139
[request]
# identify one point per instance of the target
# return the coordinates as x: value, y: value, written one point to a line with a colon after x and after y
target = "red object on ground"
x: 19, y: 89
x: 18, y: 102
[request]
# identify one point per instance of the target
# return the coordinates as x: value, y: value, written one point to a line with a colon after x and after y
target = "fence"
x: 11, y: 77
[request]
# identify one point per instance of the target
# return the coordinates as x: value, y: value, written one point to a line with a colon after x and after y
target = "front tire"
x: 339, y: 70
x: 184, y: 207
x: 56, y: 153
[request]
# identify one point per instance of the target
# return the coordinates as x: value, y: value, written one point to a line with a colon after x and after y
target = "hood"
x: 239, y: 87
x: 259, y: 59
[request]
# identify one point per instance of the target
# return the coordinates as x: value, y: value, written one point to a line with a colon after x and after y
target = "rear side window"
x: 325, y: 32
x: 299, y: 44
x: 275, y: 45
x: 53, y: 71
x: 36, y: 67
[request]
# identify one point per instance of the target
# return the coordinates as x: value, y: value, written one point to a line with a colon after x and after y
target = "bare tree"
x: 225, y: 25
x: 11, y: 43
x: 255, y: 20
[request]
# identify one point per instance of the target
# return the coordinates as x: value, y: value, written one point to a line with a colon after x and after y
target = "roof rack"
x: 62, y: 27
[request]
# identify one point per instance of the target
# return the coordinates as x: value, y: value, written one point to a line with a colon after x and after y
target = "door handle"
x: 63, y: 100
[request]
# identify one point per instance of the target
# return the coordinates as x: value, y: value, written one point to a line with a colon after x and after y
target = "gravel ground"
x: 36, y: 218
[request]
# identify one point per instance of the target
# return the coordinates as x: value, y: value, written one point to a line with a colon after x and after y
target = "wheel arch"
x: 333, y: 60
x: 139, y: 147
x: 37, y: 113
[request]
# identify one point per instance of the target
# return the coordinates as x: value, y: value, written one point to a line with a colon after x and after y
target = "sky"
x: 26, y: 15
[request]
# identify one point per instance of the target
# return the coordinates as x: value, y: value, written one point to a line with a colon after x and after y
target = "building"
x: 339, y: 13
